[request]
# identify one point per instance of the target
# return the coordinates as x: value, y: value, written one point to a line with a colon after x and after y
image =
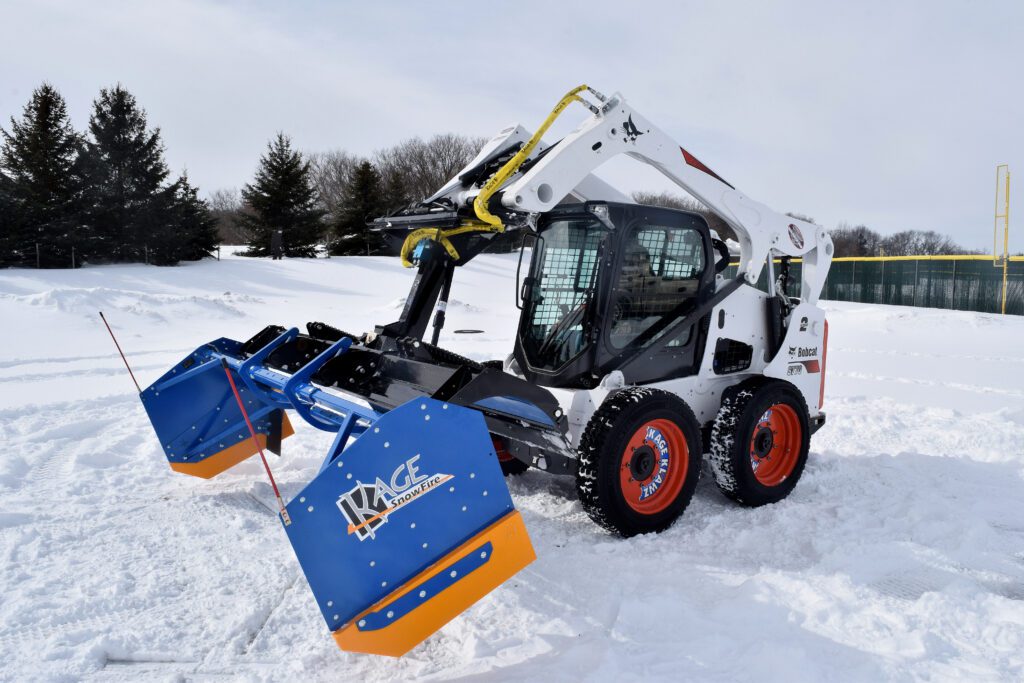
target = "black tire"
x: 510, y: 465
x: 513, y: 467
x: 747, y: 439
x: 603, y: 462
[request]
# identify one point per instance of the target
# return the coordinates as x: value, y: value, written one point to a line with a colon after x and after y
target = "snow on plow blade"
x: 408, y: 522
x: 407, y: 528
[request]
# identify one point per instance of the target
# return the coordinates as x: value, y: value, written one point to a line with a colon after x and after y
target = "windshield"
x: 563, y: 270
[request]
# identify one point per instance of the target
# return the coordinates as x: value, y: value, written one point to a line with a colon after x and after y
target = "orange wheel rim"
x: 775, y: 444
x: 653, y: 466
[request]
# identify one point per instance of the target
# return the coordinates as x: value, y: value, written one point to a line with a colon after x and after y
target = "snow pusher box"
x: 635, y: 355
x: 408, y: 521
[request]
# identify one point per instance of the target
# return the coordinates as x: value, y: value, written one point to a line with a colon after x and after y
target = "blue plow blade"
x: 408, y: 521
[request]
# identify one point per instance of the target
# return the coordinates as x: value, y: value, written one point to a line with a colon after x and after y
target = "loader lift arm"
x: 617, y: 128
x: 533, y: 179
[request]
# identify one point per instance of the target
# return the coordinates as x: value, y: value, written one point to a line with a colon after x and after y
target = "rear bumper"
x: 817, y: 422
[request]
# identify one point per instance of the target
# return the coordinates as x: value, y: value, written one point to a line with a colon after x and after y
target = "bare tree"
x: 332, y: 173
x: 931, y: 243
x: 413, y: 169
x: 226, y: 206
x: 675, y: 201
x: 903, y: 243
x: 858, y: 240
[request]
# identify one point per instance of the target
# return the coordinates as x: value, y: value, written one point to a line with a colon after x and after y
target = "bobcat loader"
x: 635, y: 356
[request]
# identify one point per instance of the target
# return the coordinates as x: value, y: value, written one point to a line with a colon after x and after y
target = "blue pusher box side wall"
x: 421, y: 481
x: 193, y: 411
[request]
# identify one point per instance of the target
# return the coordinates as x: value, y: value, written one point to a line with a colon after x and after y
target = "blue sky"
x: 892, y: 114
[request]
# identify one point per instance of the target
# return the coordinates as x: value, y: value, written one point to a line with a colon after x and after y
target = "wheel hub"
x: 775, y: 444
x: 653, y: 466
x: 641, y: 464
x: 764, y: 441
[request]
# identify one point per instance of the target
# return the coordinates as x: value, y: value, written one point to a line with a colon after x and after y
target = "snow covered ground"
x: 899, y: 556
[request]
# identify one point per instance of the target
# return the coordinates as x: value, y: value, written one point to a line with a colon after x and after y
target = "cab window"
x: 661, y: 269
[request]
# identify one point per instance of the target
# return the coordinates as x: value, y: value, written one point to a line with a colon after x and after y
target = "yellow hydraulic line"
x: 513, y: 164
x: 441, y: 236
x: 488, y: 222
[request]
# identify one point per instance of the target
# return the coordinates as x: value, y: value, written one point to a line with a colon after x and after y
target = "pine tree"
x: 282, y: 197
x: 394, y: 192
x: 193, y: 221
x: 10, y: 230
x: 183, y: 228
x: 363, y: 201
x: 125, y: 169
x: 43, y: 188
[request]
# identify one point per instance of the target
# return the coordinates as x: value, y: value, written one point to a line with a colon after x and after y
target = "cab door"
x: 662, y: 271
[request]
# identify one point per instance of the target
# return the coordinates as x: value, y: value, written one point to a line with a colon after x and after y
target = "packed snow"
x: 899, y: 556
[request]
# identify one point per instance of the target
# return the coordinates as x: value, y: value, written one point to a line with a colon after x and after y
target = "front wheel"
x: 759, y: 442
x: 639, y: 460
x: 510, y: 465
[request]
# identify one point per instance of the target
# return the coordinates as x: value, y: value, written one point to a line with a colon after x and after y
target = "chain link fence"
x: 68, y: 256
x: 963, y: 283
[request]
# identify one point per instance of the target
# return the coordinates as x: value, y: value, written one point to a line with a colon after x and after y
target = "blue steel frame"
x: 193, y: 399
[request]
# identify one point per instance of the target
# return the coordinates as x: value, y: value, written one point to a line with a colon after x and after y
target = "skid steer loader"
x: 634, y: 357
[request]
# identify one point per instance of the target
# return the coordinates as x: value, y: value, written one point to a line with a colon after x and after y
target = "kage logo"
x: 654, y: 438
x: 367, y: 506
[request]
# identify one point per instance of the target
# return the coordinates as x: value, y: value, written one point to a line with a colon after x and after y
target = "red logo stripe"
x: 698, y: 164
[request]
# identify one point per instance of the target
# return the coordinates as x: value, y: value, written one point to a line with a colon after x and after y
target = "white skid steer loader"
x: 635, y: 356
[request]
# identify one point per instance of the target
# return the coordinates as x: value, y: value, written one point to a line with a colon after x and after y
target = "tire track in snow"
x: 65, y: 441
x: 19, y: 362
x: 922, y: 354
x: 82, y: 408
x: 270, y: 612
x: 102, y: 619
x: 114, y: 371
x: 1010, y: 393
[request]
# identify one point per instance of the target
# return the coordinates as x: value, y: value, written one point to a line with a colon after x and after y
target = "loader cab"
x: 611, y: 287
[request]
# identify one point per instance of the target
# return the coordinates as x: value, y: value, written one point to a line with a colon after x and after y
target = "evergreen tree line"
x: 848, y: 240
x: 105, y: 195
x: 101, y: 196
x: 326, y: 200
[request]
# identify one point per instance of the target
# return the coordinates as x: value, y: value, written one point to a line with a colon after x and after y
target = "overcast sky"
x: 893, y: 114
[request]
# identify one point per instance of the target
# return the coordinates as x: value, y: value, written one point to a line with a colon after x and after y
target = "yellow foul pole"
x: 1002, y: 183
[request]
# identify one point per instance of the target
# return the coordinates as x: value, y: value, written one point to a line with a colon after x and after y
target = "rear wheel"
x: 759, y: 442
x: 639, y: 461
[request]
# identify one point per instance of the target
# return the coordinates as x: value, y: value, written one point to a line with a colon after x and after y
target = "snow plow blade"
x: 197, y: 419
x: 407, y: 527
x: 408, y: 521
